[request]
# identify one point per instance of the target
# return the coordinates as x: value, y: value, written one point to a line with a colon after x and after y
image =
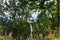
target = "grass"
x: 47, y: 37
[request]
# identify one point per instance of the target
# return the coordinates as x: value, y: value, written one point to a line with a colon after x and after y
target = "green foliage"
x: 20, y: 10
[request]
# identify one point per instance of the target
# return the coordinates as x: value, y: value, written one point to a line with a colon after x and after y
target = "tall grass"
x: 50, y: 36
x: 37, y: 37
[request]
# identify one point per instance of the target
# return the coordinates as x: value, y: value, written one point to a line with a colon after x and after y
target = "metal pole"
x: 31, y: 31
